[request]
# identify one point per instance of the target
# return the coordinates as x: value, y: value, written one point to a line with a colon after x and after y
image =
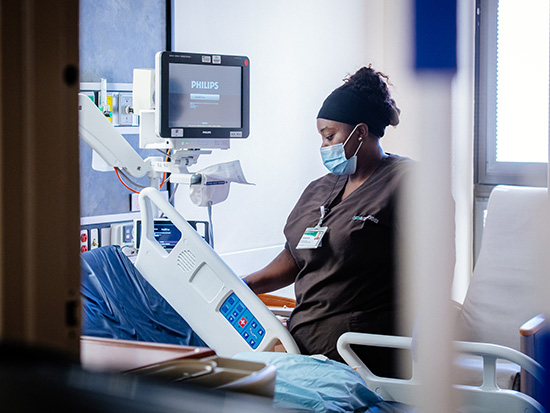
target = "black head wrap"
x: 344, y: 105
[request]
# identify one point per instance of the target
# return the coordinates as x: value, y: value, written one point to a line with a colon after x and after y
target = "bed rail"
x: 200, y: 286
x: 488, y: 396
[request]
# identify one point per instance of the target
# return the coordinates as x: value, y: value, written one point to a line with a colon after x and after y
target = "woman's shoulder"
x: 328, y: 180
x: 321, y: 187
x: 399, y: 160
x: 398, y: 164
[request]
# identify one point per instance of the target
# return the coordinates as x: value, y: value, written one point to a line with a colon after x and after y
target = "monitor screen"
x: 166, y: 233
x: 202, y: 96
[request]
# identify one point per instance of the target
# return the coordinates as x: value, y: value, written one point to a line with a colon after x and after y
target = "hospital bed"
x: 232, y: 320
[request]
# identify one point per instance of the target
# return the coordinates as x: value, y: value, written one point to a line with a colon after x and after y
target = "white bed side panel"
x: 215, y: 302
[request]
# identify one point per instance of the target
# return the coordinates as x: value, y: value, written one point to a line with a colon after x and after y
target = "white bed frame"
x: 200, y: 286
x: 487, y: 397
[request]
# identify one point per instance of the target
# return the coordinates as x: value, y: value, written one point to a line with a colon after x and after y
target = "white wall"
x: 299, y: 52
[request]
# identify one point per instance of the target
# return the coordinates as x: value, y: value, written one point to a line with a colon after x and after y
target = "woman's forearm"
x: 277, y: 274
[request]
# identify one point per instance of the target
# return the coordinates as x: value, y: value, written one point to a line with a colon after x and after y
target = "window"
x: 512, y: 74
x: 512, y: 98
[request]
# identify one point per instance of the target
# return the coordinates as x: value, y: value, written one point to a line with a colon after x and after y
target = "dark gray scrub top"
x: 354, y: 269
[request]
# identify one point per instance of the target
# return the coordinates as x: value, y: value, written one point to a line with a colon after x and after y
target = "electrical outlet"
x: 83, y: 240
x: 125, y: 117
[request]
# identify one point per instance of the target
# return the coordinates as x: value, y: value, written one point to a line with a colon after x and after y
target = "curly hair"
x: 372, y: 86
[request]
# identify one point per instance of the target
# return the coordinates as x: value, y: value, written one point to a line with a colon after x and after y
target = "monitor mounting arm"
x: 102, y: 137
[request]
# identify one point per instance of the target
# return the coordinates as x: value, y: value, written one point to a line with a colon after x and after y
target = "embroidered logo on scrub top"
x: 367, y: 218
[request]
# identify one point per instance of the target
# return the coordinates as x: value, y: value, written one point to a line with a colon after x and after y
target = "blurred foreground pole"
x: 430, y: 233
x: 544, y: 290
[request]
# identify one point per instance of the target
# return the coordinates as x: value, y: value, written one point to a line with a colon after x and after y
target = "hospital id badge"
x: 312, y: 238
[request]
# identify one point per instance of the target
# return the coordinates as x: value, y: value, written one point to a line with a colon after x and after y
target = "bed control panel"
x: 242, y: 320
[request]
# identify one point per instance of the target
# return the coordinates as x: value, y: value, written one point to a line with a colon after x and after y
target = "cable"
x: 176, y: 186
x: 165, y: 160
x: 167, y: 154
x: 210, y: 226
x: 123, y: 183
x: 163, y: 180
x: 130, y: 179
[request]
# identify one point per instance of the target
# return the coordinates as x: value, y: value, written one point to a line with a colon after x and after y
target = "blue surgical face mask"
x: 334, y: 157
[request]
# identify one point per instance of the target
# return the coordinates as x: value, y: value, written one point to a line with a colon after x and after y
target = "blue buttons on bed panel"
x: 242, y: 320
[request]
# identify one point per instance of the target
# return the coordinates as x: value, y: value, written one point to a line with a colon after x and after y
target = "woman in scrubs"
x: 340, y: 237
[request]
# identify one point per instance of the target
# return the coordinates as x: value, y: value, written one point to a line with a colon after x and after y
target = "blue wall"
x: 116, y: 36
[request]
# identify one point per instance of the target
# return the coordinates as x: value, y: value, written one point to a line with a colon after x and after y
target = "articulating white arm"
x: 103, y: 137
x: 100, y: 134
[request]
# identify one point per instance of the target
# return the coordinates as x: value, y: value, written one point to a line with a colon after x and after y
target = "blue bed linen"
x: 117, y: 302
x: 306, y: 383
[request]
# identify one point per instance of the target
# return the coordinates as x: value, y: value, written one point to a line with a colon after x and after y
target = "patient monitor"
x: 202, y: 101
x: 198, y: 284
x: 202, y: 98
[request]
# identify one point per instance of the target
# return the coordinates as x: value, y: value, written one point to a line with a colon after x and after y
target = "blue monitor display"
x: 166, y: 233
